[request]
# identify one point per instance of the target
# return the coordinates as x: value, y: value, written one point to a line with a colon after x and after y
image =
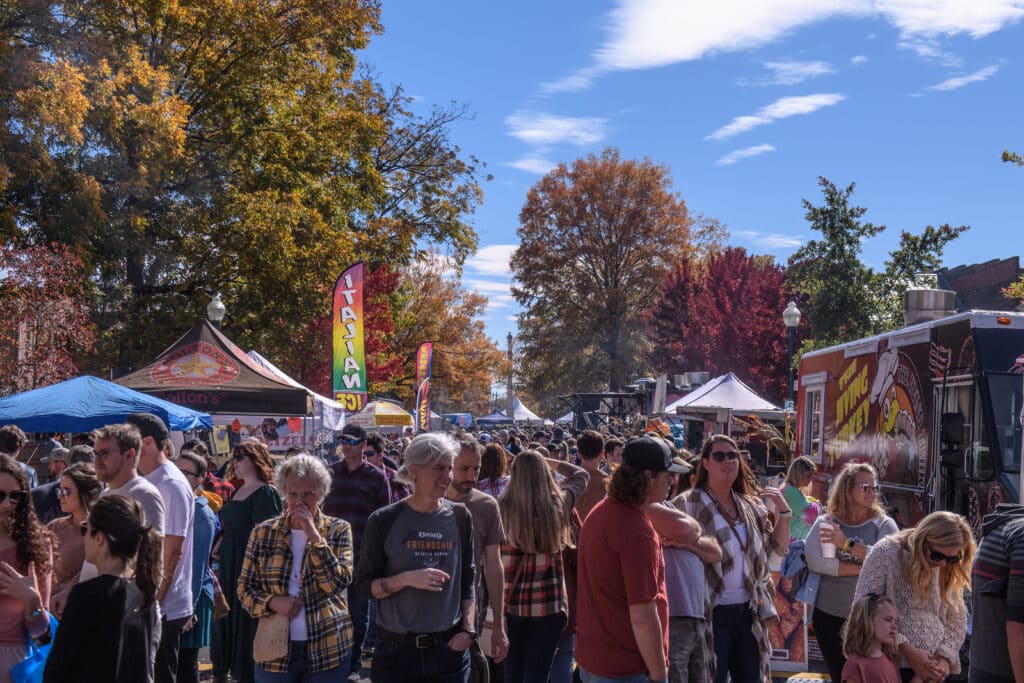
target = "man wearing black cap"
x: 357, y: 490
x: 622, y: 627
x: 175, y: 592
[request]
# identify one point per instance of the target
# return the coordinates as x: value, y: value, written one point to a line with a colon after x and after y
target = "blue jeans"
x: 531, y: 647
x: 394, y: 662
x: 561, y: 667
x: 298, y: 669
x: 357, y: 610
x: 594, y: 678
x: 736, y: 650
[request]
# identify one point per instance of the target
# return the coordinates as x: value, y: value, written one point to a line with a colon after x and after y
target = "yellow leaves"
x: 55, y: 104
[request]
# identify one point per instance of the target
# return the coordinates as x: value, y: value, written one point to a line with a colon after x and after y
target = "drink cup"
x: 828, y: 550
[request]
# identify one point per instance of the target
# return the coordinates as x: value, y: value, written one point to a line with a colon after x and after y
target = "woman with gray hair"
x: 299, y: 565
x: 417, y: 561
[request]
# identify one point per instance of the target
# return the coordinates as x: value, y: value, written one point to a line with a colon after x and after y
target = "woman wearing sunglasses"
x: 925, y: 571
x: 738, y: 599
x: 106, y: 630
x: 26, y: 560
x: 255, y: 500
x: 77, y: 491
x: 853, y: 522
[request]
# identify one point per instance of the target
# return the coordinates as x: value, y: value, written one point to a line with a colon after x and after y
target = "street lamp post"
x: 511, y: 399
x: 215, y: 310
x: 791, y: 319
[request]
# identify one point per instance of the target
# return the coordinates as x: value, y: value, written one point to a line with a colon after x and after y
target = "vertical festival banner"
x: 424, y: 357
x: 349, y: 361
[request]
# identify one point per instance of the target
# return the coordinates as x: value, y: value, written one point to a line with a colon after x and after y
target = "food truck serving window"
x: 1005, y: 396
x: 814, y: 416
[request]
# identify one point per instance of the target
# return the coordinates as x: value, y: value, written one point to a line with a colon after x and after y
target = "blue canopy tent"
x: 464, y: 420
x: 85, y: 403
x: 494, y: 420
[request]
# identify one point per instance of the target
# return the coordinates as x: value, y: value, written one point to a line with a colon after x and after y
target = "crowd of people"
x: 454, y: 558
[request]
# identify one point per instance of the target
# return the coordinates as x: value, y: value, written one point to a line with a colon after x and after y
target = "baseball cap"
x: 57, y: 455
x: 355, y: 431
x: 483, y: 437
x: 646, y: 453
x: 80, y: 454
x: 150, y: 425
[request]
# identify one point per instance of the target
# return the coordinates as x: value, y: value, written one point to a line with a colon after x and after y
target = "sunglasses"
x: 936, y: 556
x: 84, y: 527
x: 63, y: 492
x: 190, y: 474
x: 18, y: 496
x: 722, y: 456
x: 369, y: 454
x: 873, y: 488
x: 348, y: 441
x: 239, y: 456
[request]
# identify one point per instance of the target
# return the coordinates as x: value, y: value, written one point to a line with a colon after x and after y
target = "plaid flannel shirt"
x: 540, y: 590
x: 326, y: 572
x: 215, y: 485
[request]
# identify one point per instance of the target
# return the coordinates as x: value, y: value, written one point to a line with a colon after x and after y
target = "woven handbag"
x: 271, y: 641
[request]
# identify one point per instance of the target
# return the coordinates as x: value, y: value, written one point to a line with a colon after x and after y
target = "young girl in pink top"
x: 869, y: 642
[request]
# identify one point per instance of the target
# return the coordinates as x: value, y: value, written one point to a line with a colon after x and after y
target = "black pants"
x: 737, y: 652
x: 828, y: 629
x: 166, y: 667
x: 188, y: 665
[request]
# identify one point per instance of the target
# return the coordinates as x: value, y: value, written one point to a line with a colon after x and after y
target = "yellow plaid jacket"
x: 326, y: 572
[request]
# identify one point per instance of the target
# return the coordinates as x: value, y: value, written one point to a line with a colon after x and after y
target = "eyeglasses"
x: 936, y: 556
x: 349, y: 441
x: 84, y: 527
x: 722, y: 456
x: 104, y: 454
x: 872, y: 488
x: 189, y: 474
x: 18, y: 496
x: 63, y: 492
x: 239, y: 456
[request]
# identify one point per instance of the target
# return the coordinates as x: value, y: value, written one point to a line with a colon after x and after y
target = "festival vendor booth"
x: 205, y: 370
x: 522, y: 414
x: 383, y: 416
x: 460, y: 420
x: 86, y: 403
x: 494, y: 420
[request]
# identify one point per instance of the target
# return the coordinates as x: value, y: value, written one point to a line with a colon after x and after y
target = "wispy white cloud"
x: 745, y: 153
x: 782, y: 108
x: 960, y: 81
x: 791, y: 72
x: 858, y: 59
x: 769, y: 240
x: 645, y: 34
x: 538, y: 128
x: 532, y: 164
x: 492, y: 260
x: 489, y: 287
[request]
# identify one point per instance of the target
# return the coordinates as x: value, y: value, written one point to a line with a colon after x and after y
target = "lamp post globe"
x: 215, y: 310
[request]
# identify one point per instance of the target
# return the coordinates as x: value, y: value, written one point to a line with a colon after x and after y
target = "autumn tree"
x: 596, y: 238
x: 227, y: 146
x: 842, y: 297
x: 436, y: 307
x: 44, y: 322
x: 722, y: 315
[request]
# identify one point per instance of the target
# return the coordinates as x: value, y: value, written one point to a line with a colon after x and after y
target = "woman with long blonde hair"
x: 853, y: 521
x: 925, y: 571
x: 535, y: 511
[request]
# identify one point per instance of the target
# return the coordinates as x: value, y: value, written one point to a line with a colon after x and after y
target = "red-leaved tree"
x: 722, y: 315
x: 45, y: 330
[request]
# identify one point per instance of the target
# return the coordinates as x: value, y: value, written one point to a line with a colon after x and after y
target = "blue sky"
x: 747, y: 101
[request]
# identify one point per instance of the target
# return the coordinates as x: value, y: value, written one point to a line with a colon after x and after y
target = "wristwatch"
x: 472, y: 634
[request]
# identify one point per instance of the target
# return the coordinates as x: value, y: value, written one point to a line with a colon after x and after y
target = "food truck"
x: 936, y: 407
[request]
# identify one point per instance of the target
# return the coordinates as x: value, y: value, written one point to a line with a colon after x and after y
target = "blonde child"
x: 869, y: 642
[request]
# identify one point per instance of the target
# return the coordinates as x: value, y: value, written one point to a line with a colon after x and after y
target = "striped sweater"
x: 997, y: 587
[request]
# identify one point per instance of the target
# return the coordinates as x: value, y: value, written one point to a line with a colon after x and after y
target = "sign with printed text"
x: 349, y: 359
x: 424, y: 359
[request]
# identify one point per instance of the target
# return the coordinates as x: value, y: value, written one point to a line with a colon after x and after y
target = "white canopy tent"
x: 331, y: 413
x: 724, y: 396
x: 521, y: 413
